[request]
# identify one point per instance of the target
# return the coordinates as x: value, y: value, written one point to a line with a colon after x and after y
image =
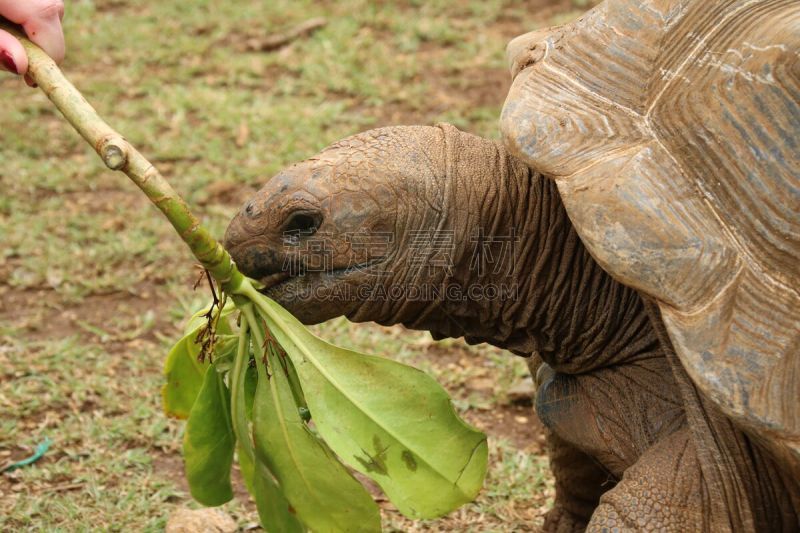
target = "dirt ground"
x: 94, y: 286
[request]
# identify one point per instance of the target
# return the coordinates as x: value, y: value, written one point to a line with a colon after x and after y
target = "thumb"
x: 12, y: 55
x: 44, y: 28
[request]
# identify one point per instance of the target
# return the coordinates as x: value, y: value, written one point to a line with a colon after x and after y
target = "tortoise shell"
x: 672, y: 129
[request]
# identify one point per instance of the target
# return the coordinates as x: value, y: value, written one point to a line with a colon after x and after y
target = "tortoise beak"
x: 252, y: 252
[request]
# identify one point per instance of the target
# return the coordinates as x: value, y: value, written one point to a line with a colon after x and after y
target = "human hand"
x: 41, y: 20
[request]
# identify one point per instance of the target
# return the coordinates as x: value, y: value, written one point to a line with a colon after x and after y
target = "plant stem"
x: 237, y: 377
x: 118, y: 154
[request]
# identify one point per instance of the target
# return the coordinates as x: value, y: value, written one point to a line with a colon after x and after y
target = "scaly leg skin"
x: 663, y: 491
x: 600, y: 424
x: 580, y: 482
x: 612, y: 414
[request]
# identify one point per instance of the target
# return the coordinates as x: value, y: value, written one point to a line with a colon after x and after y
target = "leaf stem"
x: 238, y: 412
x: 256, y: 330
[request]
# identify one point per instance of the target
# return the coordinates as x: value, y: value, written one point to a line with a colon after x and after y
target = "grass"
x: 94, y: 285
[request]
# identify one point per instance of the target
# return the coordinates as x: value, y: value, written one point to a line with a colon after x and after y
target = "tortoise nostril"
x: 249, y: 209
x: 303, y: 223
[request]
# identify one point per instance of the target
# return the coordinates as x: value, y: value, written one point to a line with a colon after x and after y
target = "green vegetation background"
x: 94, y: 284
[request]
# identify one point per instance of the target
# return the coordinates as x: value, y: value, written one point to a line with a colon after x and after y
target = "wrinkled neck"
x: 517, y: 275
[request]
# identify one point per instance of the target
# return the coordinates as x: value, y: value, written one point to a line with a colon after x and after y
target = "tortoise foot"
x: 559, y: 520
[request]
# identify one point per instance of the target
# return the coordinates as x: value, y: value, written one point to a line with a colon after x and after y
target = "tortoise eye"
x: 303, y: 223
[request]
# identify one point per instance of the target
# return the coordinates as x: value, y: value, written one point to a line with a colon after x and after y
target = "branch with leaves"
x: 297, y: 412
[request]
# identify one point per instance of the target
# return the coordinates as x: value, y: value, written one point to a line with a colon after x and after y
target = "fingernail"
x: 8, y: 61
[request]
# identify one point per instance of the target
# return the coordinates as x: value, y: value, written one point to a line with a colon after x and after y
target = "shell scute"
x: 672, y: 128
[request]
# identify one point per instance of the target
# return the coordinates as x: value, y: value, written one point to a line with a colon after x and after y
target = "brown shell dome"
x: 672, y: 128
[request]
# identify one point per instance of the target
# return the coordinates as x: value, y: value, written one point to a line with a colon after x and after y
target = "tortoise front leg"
x: 599, y: 425
x: 580, y: 482
x: 663, y: 491
x: 612, y: 414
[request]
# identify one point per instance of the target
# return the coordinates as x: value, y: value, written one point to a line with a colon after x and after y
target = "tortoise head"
x: 325, y: 233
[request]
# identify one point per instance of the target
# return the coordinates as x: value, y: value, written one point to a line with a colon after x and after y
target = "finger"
x: 44, y: 28
x: 12, y: 55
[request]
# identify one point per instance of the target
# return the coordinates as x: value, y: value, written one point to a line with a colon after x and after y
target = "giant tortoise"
x: 638, y: 229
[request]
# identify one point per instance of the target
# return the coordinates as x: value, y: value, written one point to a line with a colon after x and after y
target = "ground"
x: 94, y: 284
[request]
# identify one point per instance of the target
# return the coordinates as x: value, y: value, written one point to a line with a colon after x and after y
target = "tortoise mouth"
x: 273, y: 280
x: 273, y: 285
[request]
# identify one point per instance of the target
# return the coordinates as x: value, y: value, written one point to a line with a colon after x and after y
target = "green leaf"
x: 321, y: 490
x: 250, y: 384
x: 208, y: 443
x: 242, y: 406
x: 197, y: 320
x: 274, y: 512
x: 224, y: 352
x: 238, y: 380
x: 184, y: 373
x: 390, y: 421
x: 246, y: 466
x: 273, y: 509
